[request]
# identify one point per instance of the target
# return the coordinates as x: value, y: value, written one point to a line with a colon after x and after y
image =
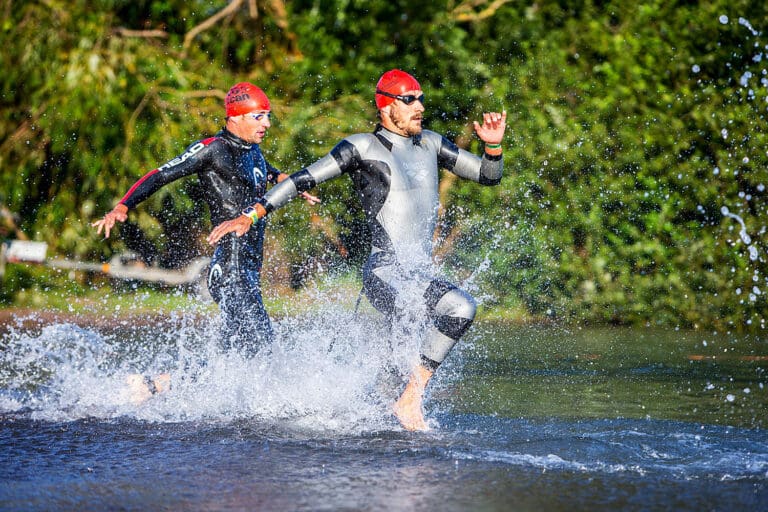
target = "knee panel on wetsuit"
x: 451, y: 309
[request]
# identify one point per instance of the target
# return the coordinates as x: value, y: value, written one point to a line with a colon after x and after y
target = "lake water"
x: 522, y: 418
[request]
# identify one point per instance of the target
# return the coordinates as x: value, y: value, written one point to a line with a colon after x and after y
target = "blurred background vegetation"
x: 636, y: 142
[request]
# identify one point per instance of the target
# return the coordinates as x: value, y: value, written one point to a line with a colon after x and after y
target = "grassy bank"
x: 63, y: 294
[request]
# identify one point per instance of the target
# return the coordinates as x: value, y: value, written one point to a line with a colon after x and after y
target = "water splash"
x: 744, y: 22
x: 330, y: 370
x: 743, y: 234
x: 471, y: 282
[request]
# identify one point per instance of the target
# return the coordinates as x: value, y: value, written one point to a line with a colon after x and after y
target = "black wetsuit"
x: 396, y: 178
x: 233, y: 174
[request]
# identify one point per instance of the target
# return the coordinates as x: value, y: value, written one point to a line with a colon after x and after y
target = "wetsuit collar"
x: 392, y: 138
x: 234, y: 139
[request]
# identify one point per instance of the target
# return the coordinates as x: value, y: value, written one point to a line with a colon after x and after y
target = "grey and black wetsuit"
x: 233, y: 174
x: 396, y: 179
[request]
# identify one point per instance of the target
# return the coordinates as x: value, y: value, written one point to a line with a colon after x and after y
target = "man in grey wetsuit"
x: 395, y: 172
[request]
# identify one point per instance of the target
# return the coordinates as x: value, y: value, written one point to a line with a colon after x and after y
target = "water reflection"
x: 613, y: 373
x: 530, y: 417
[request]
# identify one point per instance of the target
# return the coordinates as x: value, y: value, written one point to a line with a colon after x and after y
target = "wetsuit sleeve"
x: 486, y: 170
x: 185, y: 164
x: 341, y: 159
x: 272, y: 174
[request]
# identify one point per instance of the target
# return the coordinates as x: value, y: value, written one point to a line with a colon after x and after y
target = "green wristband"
x: 251, y: 213
x: 492, y: 146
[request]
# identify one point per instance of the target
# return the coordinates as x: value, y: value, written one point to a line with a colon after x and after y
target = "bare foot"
x: 162, y: 382
x: 407, y: 408
x: 141, y: 388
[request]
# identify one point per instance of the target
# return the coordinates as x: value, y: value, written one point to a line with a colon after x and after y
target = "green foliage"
x: 636, y: 141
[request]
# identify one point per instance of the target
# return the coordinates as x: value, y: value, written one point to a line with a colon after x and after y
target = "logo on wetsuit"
x: 415, y: 171
x: 214, y: 275
x: 179, y: 159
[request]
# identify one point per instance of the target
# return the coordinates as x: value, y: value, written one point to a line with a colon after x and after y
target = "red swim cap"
x: 394, y: 82
x: 243, y: 98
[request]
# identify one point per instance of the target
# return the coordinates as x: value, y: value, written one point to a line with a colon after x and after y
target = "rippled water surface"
x: 522, y: 419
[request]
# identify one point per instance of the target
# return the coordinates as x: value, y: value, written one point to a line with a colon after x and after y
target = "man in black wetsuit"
x: 233, y: 174
x: 395, y: 172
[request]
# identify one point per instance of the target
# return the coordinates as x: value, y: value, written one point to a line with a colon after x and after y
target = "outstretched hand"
x: 239, y: 225
x: 312, y: 200
x: 492, y: 129
x: 309, y: 198
x: 118, y: 214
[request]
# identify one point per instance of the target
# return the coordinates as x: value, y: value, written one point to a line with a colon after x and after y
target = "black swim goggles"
x: 407, y: 99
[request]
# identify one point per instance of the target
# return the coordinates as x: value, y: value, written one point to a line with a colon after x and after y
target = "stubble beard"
x: 405, y: 124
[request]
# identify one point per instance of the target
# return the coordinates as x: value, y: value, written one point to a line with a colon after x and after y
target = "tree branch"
x: 129, y: 126
x: 230, y: 9
x: 127, y: 32
x: 466, y: 10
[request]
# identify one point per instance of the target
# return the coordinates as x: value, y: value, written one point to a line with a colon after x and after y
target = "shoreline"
x: 29, y: 318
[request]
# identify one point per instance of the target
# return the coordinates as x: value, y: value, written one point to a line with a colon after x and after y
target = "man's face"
x: 405, y: 119
x: 253, y: 126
